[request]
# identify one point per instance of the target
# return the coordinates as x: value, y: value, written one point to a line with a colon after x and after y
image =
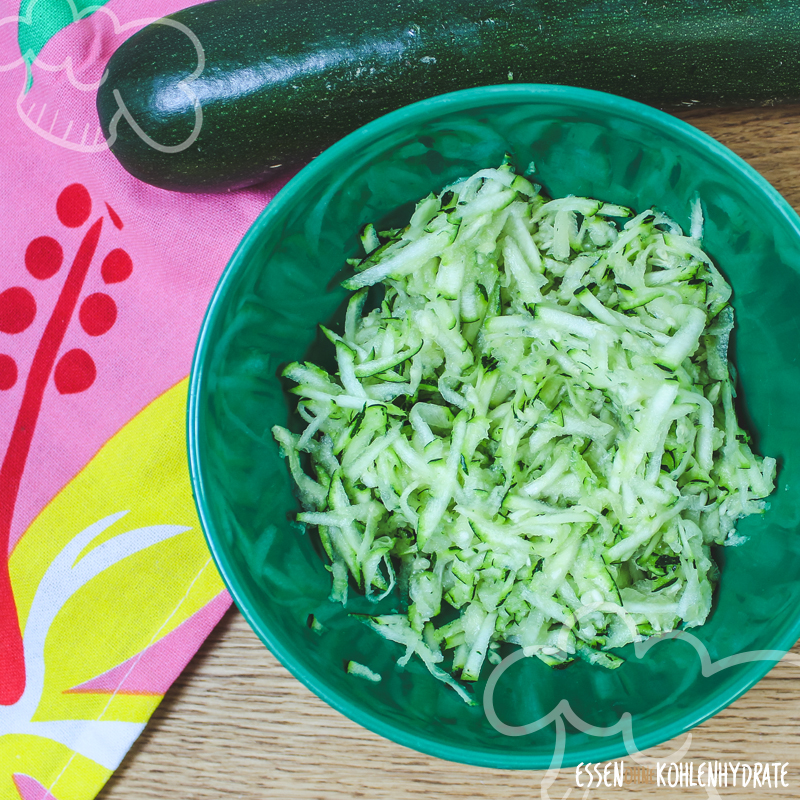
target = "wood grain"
x: 238, y: 725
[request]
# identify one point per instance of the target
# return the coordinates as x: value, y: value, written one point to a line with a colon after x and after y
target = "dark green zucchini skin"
x: 284, y: 79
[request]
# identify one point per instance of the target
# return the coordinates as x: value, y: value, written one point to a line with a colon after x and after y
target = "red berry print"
x: 75, y: 372
x: 8, y: 372
x: 115, y: 218
x: 74, y: 205
x: 44, y: 257
x: 98, y: 314
x: 117, y: 266
x: 17, y: 309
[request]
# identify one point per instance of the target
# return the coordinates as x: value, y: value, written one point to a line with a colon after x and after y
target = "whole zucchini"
x: 271, y: 83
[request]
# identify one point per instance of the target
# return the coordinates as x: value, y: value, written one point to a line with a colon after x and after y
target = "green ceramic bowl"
x: 280, y: 285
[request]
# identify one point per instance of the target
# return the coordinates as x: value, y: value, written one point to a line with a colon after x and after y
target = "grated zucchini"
x: 535, y: 427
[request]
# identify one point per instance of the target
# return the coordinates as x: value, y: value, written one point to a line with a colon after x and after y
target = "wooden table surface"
x: 238, y: 725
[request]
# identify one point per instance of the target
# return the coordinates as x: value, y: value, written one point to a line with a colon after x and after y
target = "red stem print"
x: 12, y: 662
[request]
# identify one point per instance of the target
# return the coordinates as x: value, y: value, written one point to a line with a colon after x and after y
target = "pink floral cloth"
x: 106, y: 586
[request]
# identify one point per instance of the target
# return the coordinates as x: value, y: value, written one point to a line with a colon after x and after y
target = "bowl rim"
x: 460, y: 100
